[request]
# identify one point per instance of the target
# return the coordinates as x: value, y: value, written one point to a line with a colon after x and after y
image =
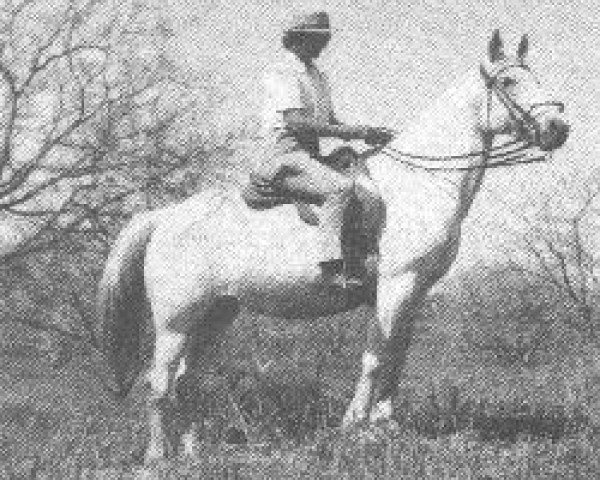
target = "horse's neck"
x: 448, y: 128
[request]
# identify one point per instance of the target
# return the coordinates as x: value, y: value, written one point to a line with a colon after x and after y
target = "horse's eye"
x: 508, y: 82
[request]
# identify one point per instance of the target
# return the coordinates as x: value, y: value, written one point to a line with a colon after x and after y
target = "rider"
x: 297, y: 112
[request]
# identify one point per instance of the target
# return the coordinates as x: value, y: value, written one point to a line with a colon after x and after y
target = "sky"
x: 388, y: 60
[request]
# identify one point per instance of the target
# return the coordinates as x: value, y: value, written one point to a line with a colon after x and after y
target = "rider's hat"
x: 317, y: 22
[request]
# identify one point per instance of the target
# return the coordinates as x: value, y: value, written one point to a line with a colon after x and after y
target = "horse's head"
x: 517, y: 104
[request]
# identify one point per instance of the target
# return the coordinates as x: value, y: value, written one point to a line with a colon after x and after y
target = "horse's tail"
x: 122, y: 302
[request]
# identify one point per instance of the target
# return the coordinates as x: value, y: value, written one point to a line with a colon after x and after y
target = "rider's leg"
x: 364, y: 218
x: 306, y: 177
x: 332, y: 222
x: 372, y: 211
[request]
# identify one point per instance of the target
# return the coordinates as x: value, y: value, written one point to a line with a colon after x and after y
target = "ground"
x: 463, y: 412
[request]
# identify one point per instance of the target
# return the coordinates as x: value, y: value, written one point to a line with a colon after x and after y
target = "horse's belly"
x: 308, y: 300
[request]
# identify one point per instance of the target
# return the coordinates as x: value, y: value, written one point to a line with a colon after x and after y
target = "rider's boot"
x: 336, y: 275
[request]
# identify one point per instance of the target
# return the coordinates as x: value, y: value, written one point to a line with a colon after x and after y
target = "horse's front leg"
x: 389, y: 337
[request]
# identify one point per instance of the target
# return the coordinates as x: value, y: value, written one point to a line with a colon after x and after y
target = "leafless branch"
x: 41, y: 67
x: 563, y: 269
x: 20, y: 176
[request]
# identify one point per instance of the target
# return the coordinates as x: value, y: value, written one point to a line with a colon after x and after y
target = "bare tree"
x: 561, y: 250
x: 95, y: 119
x: 82, y: 105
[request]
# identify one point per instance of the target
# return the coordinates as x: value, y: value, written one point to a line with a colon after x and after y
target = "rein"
x: 516, y: 150
x: 500, y: 158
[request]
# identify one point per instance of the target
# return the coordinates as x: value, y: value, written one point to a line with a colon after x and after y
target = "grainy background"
x: 481, y: 338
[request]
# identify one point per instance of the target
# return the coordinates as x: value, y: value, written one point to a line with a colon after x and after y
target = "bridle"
x: 513, y: 152
x: 524, y: 118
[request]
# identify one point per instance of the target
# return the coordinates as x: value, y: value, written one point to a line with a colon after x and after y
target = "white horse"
x: 195, y: 264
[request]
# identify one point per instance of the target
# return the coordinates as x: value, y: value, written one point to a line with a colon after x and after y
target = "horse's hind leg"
x: 168, y: 350
x: 202, y: 352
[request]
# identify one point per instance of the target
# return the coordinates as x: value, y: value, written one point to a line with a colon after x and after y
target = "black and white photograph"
x: 318, y: 239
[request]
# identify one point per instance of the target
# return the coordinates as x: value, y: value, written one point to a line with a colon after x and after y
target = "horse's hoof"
x: 381, y: 412
x: 145, y: 473
x: 154, y: 456
x: 367, y: 436
x: 190, y: 446
x: 352, y: 418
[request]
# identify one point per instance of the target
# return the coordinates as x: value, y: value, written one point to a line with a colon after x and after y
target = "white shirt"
x: 290, y: 84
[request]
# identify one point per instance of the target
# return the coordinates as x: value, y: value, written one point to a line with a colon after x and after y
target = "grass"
x: 462, y: 413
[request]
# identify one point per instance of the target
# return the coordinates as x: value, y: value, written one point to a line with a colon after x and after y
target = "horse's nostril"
x: 554, y: 134
x: 557, y: 125
x: 560, y: 128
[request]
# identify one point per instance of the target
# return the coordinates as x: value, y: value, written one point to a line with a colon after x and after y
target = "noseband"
x: 513, y: 152
x: 523, y: 118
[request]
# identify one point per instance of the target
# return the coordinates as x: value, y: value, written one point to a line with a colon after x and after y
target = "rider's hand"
x: 376, y: 136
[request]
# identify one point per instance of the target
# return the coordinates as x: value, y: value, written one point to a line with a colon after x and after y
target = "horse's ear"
x: 496, y: 47
x: 523, y: 48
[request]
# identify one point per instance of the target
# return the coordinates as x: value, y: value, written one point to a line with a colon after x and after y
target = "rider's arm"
x: 297, y: 121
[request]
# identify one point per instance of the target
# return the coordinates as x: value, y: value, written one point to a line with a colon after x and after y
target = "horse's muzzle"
x: 553, y: 132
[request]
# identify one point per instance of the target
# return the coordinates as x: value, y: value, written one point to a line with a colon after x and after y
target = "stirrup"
x: 335, y: 274
x: 344, y: 282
